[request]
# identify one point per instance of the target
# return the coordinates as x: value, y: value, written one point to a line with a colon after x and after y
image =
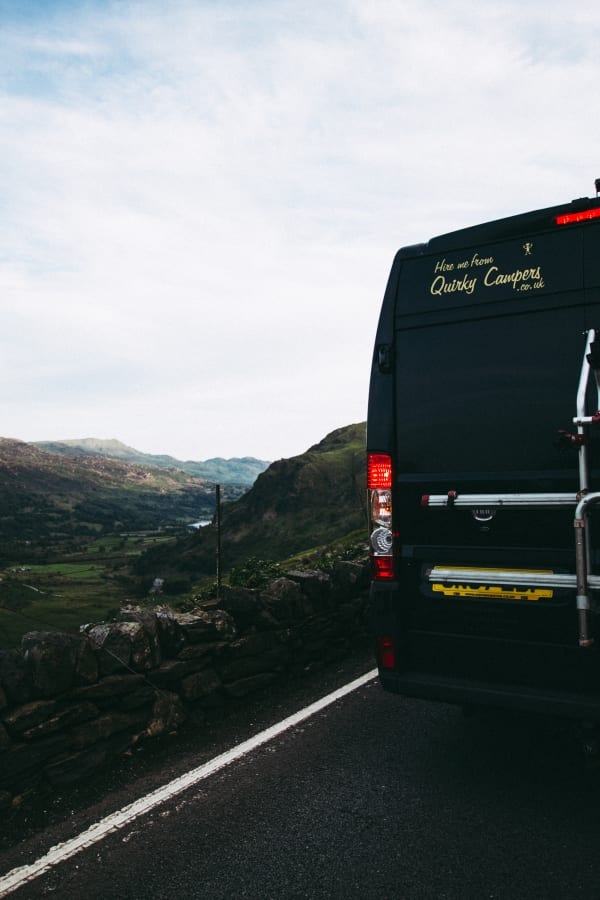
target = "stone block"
x: 200, y: 685
x: 315, y: 585
x: 14, y: 677
x: 4, y: 738
x: 108, y: 688
x: 251, y: 655
x: 202, y: 625
x: 167, y: 715
x: 283, y: 600
x: 144, y: 696
x: 243, y: 604
x: 106, y: 726
x: 87, y: 669
x: 28, y: 716
x: 149, y: 624
x: 52, y: 659
x: 246, y: 686
x: 351, y: 576
x: 73, y: 767
x: 18, y: 761
x: 122, y: 645
x: 169, y: 634
x: 199, y: 651
x: 70, y: 715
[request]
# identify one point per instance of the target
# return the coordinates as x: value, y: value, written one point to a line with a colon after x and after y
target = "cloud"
x: 200, y: 202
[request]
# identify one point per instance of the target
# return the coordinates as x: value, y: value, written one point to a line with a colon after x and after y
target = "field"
x: 90, y: 585
x: 84, y: 586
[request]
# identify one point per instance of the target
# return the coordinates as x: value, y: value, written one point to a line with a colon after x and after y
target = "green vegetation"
x: 83, y: 586
x: 254, y: 573
x: 81, y: 536
x: 311, y: 500
x: 67, y: 570
x: 47, y: 499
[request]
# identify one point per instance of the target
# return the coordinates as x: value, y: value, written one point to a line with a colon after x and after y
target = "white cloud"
x: 200, y: 202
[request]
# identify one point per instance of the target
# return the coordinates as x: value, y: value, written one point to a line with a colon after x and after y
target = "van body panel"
x: 477, y: 361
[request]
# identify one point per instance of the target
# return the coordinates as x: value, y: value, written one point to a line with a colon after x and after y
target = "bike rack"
x: 583, y: 581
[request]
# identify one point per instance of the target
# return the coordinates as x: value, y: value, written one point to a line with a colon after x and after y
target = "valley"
x: 81, y: 534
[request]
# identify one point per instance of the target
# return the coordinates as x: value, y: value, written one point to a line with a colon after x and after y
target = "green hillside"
x: 243, y: 470
x: 297, y: 504
x: 47, y: 498
x: 78, y: 534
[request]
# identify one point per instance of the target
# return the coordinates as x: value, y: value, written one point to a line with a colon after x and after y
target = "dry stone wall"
x: 72, y: 703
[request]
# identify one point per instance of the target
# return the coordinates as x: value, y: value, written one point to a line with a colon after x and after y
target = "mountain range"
x: 243, y: 470
x: 48, y: 498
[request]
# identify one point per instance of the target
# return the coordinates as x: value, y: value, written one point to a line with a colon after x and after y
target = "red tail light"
x: 382, y: 568
x: 582, y: 216
x: 379, y: 471
x: 379, y: 483
x: 387, y: 653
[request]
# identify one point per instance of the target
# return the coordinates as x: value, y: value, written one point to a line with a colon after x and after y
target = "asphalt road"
x: 376, y: 796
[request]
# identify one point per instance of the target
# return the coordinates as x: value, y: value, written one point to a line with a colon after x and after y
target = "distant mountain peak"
x: 106, y: 446
x: 237, y: 470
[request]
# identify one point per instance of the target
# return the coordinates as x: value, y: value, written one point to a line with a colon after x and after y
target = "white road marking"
x: 62, y: 852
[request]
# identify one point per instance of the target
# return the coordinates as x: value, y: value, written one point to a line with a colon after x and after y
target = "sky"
x: 200, y: 200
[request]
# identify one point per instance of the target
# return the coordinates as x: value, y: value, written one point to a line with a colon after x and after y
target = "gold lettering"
x: 518, y: 278
x: 481, y: 261
x: 443, y: 266
x: 441, y: 285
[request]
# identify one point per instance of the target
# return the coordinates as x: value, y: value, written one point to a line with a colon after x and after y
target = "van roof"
x: 499, y: 229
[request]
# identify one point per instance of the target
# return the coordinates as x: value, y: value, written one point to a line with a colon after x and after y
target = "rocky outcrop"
x: 72, y: 703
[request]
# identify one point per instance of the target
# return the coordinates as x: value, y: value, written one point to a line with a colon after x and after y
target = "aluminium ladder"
x: 583, y: 580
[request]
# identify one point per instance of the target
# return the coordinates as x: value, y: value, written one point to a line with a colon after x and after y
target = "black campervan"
x: 483, y: 442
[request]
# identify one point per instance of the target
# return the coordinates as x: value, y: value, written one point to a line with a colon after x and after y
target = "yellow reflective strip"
x: 494, y: 592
